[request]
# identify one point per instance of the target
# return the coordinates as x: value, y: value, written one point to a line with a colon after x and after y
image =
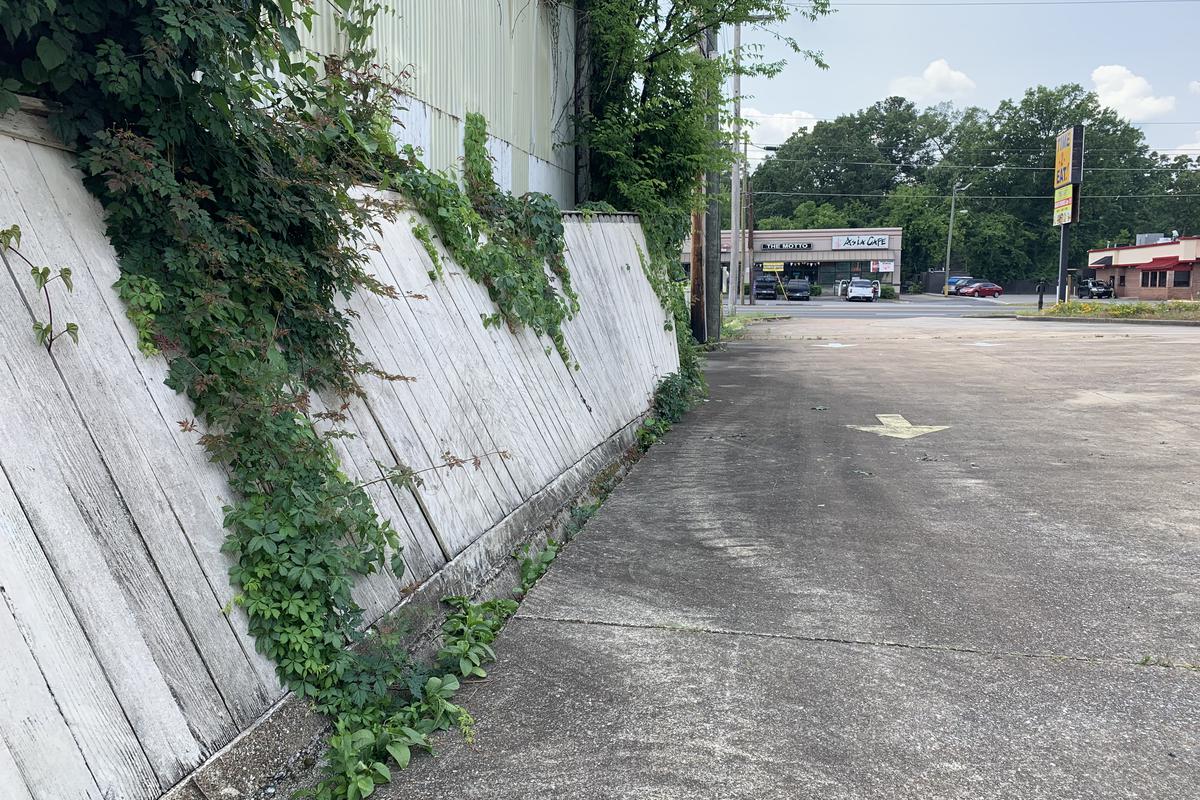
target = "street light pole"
x: 735, y: 178
x: 950, y: 236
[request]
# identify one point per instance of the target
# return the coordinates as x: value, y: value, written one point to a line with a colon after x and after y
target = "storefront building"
x: 1161, y: 271
x: 824, y: 256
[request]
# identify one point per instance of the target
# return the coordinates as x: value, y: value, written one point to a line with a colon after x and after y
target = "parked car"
x: 961, y: 285
x: 982, y: 289
x: 797, y: 289
x: 953, y: 282
x: 860, y: 289
x: 1090, y: 287
x: 765, y: 287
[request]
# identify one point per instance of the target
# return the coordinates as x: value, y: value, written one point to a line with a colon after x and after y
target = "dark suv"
x: 797, y: 289
x: 1090, y: 287
x: 765, y: 287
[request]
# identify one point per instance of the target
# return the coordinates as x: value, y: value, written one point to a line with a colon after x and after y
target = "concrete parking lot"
x: 776, y: 604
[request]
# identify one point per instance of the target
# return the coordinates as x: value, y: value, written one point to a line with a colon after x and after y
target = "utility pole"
x: 744, y: 274
x: 712, y: 223
x: 735, y: 176
x: 697, y: 305
x: 583, y: 98
x: 950, y: 235
x: 699, y: 329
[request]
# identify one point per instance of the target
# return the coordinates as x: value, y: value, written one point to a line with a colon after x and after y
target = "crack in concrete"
x: 937, y: 648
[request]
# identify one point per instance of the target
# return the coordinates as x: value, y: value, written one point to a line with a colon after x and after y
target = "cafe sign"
x: 861, y: 242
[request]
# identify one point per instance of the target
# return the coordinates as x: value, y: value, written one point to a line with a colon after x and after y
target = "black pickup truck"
x: 765, y: 287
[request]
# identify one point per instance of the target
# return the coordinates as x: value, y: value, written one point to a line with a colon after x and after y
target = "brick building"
x: 1161, y: 271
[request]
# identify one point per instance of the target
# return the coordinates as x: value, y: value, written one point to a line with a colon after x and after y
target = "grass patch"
x: 1171, y: 309
x: 735, y: 327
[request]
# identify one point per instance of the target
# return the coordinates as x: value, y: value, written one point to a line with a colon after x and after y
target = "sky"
x: 1140, y: 56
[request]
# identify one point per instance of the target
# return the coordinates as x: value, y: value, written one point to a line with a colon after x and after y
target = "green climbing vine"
x: 46, y: 333
x: 228, y: 160
x: 512, y: 245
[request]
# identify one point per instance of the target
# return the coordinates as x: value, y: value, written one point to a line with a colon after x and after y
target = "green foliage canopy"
x: 900, y: 164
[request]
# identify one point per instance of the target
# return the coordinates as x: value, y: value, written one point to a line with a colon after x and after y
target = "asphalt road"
x: 776, y: 605
x: 907, y: 307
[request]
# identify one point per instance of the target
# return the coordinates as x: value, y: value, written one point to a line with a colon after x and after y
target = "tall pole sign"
x: 1068, y: 176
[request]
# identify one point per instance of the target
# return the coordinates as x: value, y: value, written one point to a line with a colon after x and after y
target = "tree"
x: 871, y: 152
x: 892, y: 165
x: 652, y: 97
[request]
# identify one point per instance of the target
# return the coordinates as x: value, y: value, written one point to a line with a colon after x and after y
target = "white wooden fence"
x: 119, y: 672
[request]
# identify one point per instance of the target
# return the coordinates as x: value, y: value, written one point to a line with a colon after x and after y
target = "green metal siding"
x: 511, y: 60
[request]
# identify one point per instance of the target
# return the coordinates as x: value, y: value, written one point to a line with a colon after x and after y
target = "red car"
x: 982, y: 289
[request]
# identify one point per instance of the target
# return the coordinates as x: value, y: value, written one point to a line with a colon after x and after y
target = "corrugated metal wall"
x: 511, y: 60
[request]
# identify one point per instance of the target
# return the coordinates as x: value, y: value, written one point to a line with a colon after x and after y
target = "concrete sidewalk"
x: 775, y: 605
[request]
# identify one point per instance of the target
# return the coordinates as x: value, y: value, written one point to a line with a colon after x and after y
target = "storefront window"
x: 1154, y: 278
x: 1183, y: 278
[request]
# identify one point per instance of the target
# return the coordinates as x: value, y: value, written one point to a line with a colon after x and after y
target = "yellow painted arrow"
x: 898, y: 427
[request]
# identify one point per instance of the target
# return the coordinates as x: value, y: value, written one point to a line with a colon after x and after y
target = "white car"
x: 860, y: 289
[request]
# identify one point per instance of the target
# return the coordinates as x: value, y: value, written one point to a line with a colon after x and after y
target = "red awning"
x: 1166, y: 262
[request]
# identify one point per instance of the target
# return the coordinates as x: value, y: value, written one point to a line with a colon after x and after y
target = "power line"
x: 944, y: 165
x: 992, y: 3
x: 878, y: 196
x: 800, y: 118
x: 1027, y: 150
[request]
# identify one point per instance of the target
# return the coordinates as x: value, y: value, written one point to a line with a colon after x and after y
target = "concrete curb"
x: 1187, y: 323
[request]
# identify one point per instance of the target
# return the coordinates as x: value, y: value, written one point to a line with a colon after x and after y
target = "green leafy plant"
x: 468, y: 634
x: 533, y: 564
x: 44, y: 332
x: 651, y: 431
x: 425, y: 237
x: 887, y: 292
x: 143, y: 299
x: 359, y: 754
x: 673, y: 397
x: 579, y: 517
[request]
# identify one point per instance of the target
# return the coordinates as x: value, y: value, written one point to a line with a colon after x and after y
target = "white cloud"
x: 1194, y: 87
x: 939, y: 81
x: 1128, y: 94
x: 1192, y: 148
x: 768, y: 128
x: 773, y: 129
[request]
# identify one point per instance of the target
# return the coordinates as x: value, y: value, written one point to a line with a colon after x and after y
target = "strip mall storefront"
x: 1161, y: 271
x: 824, y: 256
